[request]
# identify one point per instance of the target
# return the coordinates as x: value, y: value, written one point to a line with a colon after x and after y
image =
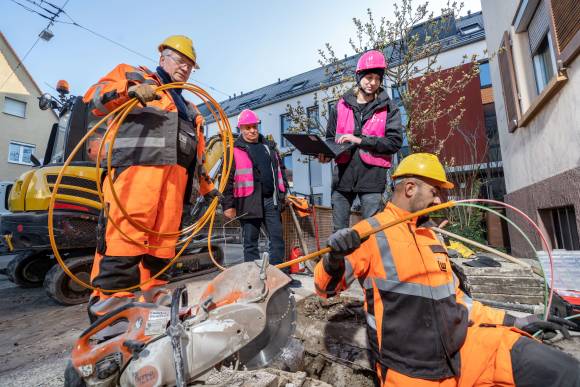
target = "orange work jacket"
x: 417, y: 317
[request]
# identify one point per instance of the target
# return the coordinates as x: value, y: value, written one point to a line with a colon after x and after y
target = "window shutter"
x: 566, y: 21
x: 508, y: 82
x: 538, y: 27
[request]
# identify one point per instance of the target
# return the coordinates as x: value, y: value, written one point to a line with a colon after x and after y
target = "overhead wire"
x: 52, y: 20
x: 99, y: 35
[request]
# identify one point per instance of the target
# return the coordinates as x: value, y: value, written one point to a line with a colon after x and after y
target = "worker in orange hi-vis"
x: 157, y: 157
x: 422, y: 329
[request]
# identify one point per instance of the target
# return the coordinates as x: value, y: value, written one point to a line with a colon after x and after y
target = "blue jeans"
x: 273, y: 224
x: 371, y: 203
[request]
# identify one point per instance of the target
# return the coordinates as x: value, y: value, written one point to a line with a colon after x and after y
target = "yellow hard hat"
x: 423, y: 165
x: 181, y: 44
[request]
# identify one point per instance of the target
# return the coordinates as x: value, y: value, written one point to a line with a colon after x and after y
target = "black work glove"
x: 214, y: 193
x: 343, y: 242
x: 533, y: 323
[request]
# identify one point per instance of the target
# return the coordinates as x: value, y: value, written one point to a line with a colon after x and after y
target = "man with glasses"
x: 256, y: 191
x: 157, y: 154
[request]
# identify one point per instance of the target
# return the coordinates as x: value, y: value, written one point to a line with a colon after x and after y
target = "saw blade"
x: 281, y: 323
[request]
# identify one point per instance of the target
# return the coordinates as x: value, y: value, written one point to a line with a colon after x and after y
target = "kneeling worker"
x: 423, y: 330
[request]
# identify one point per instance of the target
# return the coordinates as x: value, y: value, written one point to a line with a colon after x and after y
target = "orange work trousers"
x: 486, y: 360
x: 153, y: 196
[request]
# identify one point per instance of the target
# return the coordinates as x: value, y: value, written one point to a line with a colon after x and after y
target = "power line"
x: 50, y: 23
x: 135, y: 52
x: 74, y: 23
x: 32, y: 10
x: 60, y: 10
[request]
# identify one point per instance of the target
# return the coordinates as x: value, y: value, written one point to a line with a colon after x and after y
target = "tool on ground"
x: 245, y: 317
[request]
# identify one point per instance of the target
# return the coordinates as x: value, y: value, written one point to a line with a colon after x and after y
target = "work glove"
x: 534, y: 323
x: 344, y: 242
x: 214, y: 193
x: 143, y: 92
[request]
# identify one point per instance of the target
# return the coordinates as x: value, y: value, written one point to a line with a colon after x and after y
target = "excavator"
x: 24, y: 230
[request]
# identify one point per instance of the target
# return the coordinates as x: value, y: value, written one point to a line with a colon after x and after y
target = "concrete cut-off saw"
x: 244, y: 318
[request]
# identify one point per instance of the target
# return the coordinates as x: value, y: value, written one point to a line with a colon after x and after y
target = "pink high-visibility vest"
x: 374, y: 127
x: 244, y: 174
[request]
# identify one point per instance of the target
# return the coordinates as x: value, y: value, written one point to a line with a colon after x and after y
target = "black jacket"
x: 356, y: 176
x: 251, y: 205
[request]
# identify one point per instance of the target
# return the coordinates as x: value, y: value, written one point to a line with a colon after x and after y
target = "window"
x: 19, y: 153
x: 289, y: 169
x: 14, y: 107
x: 297, y: 86
x: 248, y: 104
x: 315, y: 173
x: 285, y: 125
x: 541, y: 47
x: 484, y: 75
x: 313, y: 123
x: 470, y: 29
x: 544, y: 63
x: 560, y: 224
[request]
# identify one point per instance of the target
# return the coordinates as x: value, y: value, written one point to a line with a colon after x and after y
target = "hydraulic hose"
x: 515, y: 226
x: 118, y: 115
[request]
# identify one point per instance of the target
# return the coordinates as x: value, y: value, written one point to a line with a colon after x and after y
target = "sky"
x: 241, y: 45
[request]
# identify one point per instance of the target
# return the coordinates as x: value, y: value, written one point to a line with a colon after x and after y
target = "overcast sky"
x: 241, y: 45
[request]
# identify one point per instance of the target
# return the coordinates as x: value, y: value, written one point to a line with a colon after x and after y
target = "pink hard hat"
x: 371, y: 60
x: 248, y: 117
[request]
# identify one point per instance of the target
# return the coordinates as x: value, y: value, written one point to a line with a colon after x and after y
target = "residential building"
x: 24, y: 128
x: 466, y: 36
x: 537, y: 79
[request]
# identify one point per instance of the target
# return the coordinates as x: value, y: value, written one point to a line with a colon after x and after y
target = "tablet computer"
x: 314, y: 144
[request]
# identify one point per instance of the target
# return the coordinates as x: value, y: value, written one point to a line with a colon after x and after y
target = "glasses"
x: 180, y: 62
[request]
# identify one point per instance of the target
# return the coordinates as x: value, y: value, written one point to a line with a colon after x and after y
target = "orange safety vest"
x: 151, y: 135
x: 417, y: 317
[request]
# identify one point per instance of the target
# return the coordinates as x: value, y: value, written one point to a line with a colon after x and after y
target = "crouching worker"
x: 422, y: 329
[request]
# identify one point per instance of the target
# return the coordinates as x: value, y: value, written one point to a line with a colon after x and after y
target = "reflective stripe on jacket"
x: 374, y: 127
x: 244, y: 173
x: 151, y: 135
x: 416, y: 315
